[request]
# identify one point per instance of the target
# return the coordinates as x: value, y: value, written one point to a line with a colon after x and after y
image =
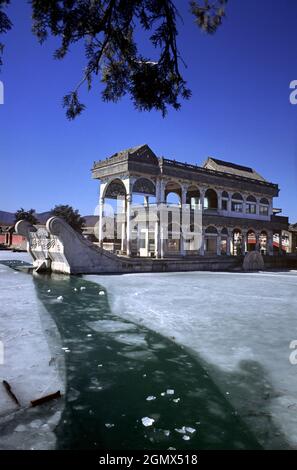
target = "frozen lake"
x: 239, y: 325
x: 201, y: 357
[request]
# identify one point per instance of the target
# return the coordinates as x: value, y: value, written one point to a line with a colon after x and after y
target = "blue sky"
x: 239, y: 111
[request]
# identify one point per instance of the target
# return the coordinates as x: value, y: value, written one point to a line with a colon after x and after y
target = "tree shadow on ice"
x: 119, y: 372
x: 252, y: 394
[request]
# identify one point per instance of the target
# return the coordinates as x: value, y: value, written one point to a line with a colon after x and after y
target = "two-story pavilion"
x: 235, y: 204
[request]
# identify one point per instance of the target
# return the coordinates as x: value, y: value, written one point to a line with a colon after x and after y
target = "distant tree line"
x: 66, y: 212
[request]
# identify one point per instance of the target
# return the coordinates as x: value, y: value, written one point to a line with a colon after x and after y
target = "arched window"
x: 251, y: 240
x: 210, y: 199
x: 264, y: 206
x: 173, y: 192
x: 211, y: 240
x: 251, y: 205
x: 224, y: 241
x: 263, y: 242
x: 193, y: 197
x: 236, y: 203
x: 115, y: 189
x: 251, y: 199
x: 225, y: 198
x: 144, y: 186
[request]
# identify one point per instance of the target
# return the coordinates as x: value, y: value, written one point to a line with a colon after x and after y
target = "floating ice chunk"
x: 20, y: 428
x: 109, y: 425
x: 37, y: 423
x: 65, y: 349
x: 101, y: 292
x: 190, y: 430
x: 60, y: 298
x: 167, y: 432
x: 181, y: 430
x: 48, y: 290
x: 186, y: 438
x: 150, y: 398
x: 131, y: 339
x: 162, y: 394
x: 82, y: 288
x: 170, y: 392
x: 75, y: 289
x: 89, y: 335
x: 147, y: 421
x: 176, y: 400
x: 144, y: 375
x: 110, y: 326
x: 100, y: 365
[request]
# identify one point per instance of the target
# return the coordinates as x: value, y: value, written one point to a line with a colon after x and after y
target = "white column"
x: 257, y: 235
x: 202, y: 193
x: 270, y: 243
x: 162, y: 242
x: 244, y: 206
x: 228, y: 250
x: 202, y: 251
x: 123, y: 236
x: 244, y: 241
x: 101, y: 214
x: 219, y: 239
x: 280, y: 243
x: 157, y: 240
x: 184, y: 194
x: 128, y: 223
x: 183, y: 208
x: 219, y: 193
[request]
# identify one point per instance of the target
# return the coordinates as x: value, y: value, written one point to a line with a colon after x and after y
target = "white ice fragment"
x: 170, y: 392
x: 82, y: 288
x: 227, y: 393
x: 37, y: 423
x: 89, y: 335
x: 186, y: 438
x: 167, y: 432
x: 65, y: 349
x: 144, y: 375
x: 162, y: 394
x: 150, y: 398
x: 101, y: 292
x: 100, y: 365
x: 109, y: 425
x: 147, y: 421
x: 181, y: 430
x: 20, y: 428
x: 75, y: 289
x: 176, y: 400
x: 60, y: 298
x: 190, y: 430
x: 48, y: 290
